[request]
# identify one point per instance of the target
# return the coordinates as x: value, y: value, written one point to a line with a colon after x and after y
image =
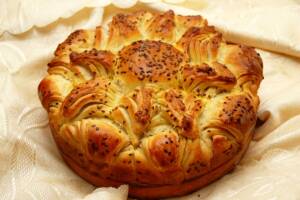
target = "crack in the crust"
x: 57, y: 71
x: 225, y: 131
x: 184, y: 152
x: 83, y: 108
x: 129, y: 132
x: 64, y: 77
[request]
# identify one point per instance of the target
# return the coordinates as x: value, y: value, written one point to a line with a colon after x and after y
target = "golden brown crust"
x: 183, y: 113
x: 158, y: 192
x: 216, y: 75
x: 93, y: 91
x: 162, y: 26
x: 93, y: 58
x: 161, y: 102
x: 149, y: 61
x: 200, y: 44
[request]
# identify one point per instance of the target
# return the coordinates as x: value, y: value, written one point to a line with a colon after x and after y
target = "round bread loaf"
x: 158, y: 101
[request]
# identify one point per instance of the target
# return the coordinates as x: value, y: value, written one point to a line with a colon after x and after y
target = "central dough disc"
x: 150, y: 61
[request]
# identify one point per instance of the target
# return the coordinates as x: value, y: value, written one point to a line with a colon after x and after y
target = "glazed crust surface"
x: 158, y: 101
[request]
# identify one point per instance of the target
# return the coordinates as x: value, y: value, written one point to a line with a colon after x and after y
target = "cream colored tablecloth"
x: 30, y: 165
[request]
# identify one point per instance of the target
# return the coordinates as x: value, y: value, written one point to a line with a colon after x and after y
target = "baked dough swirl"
x: 158, y: 101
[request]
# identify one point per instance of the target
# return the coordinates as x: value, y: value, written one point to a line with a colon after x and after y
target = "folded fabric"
x: 267, y: 24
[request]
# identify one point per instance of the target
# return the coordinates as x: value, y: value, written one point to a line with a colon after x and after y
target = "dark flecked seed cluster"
x: 101, y: 142
x: 162, y: 26
x: 123, y: 23
x: 196, y: 167
x: 91, y: 90
x: 237, y: 110
x: 165, y: 149
x: 76, y: 37
x: 149, y: 60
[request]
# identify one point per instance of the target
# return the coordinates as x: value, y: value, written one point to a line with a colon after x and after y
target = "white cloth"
x: 30, y: 165
x: 267, y: 24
